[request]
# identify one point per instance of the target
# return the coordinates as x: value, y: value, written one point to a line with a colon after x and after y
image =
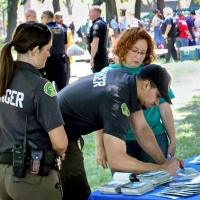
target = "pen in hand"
x: 169, y: 156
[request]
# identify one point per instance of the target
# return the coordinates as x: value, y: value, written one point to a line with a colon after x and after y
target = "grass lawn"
x: 186, y: 109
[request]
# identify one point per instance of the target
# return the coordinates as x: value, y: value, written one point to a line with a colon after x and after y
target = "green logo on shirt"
x: 125, y: 110
x: 49, y: 89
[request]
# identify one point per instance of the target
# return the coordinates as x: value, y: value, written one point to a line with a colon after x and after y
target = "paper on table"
x: 186, y: 174
x: 196, y: 160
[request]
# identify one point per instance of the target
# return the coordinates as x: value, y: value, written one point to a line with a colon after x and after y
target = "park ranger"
x: 31, y: 125
x: 111, y: 100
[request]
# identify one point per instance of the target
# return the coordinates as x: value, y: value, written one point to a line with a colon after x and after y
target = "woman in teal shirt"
x: 134, y: 49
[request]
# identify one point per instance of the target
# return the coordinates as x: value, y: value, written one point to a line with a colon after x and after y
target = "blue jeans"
x: 133, y: 149
x: 182, y: 42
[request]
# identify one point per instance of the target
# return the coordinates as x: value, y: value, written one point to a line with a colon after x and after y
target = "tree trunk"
x: 56, y: 5
x: 160, y: 5
x: 179, y: 6
x: 151, y: 4
x: 111, y: 10
x: 12, y: 18
x: 137, y: 9
x: 69, y: 6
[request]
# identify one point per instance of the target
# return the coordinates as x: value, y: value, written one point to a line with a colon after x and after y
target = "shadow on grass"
x: 187, y: 126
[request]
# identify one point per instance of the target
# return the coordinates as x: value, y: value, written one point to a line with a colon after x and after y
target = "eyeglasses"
x: 135, y: 52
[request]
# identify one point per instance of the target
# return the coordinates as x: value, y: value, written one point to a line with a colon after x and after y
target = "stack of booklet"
x: 137, y: 188
x: 127, y: 184
x: 180, y: 189
x: 114, y: 187
x: 155, y: 177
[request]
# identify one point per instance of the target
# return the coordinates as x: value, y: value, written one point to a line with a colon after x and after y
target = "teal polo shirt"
x: 151, y: 115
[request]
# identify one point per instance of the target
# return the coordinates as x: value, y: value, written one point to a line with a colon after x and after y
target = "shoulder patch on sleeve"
x: 96, y: 26
x: 49, y: 89
x: 125, y: 109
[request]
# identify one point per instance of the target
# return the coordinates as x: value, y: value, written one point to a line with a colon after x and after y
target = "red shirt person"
x: 182, y: 39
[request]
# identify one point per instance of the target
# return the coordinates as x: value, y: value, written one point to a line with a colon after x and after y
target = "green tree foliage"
x: 197, y: 2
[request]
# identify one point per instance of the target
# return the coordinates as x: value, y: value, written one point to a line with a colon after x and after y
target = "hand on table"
x: 173, y: 165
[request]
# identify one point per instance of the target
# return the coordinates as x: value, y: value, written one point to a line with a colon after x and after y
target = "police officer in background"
x: 59, y: 20
x: 23, y: 94
x: 57, y: 64
x: 97, y: 40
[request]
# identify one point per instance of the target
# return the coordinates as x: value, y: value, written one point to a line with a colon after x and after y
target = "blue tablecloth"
x: 98, y: 196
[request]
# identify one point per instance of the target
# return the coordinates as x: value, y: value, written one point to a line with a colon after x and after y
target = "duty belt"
x: 6, y: 158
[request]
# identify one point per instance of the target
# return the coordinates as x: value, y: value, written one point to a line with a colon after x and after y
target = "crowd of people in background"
x: 181, y: 31
x: 173, y: 32
x: 187, y: 26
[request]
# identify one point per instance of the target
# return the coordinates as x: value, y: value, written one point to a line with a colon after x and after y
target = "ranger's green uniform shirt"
x: 151, y: 115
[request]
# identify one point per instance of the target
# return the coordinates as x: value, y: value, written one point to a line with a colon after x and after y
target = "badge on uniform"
x: 49, y: 89
x: 125, y: 109
x: 96, y: 26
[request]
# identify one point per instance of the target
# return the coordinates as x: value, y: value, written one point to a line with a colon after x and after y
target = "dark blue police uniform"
x: 99, y: 29
x: 107, y: 99
x: 26, y: 109
x: 56, y: 65
x: 190, y: 23
x: 67, y: 57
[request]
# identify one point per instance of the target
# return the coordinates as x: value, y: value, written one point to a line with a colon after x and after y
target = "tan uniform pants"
x: 32, y: 187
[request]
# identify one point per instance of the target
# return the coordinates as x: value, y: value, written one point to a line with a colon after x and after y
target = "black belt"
x: 6, y: 158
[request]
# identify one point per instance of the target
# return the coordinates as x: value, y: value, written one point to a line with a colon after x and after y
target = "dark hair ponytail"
x: 27, y: 36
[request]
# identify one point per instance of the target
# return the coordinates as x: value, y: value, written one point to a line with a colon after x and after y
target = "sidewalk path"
x: 79, y: 69
x: 185, y: 80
